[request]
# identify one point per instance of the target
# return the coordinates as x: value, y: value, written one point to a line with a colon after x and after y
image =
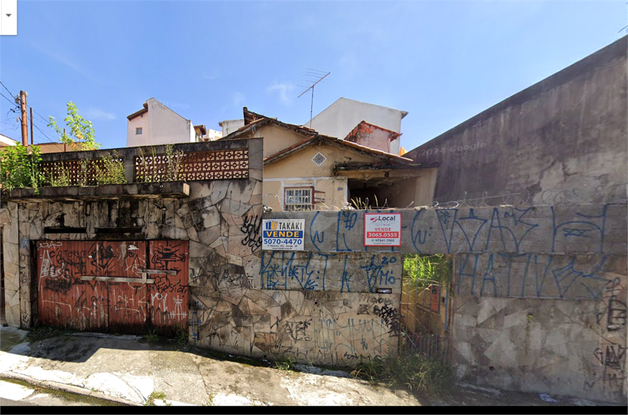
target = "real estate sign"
x: 382, y: 229
x: 283, y: 234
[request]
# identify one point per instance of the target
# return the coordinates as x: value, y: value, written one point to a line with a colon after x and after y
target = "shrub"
x: 416, y: 372
x: 19, y: 167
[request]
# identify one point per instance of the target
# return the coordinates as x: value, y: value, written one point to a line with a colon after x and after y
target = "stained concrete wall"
x: 539, y: 296
x: 560, y: 141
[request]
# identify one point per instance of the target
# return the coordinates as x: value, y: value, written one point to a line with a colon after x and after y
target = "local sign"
x: 382, y: 229
x: 283, y: 234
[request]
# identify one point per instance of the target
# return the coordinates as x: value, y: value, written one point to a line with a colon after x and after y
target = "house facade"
x: 305, y: 170
x: 341, y: 117
x: 157, y: 124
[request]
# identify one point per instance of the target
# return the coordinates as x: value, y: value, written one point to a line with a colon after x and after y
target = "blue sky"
x: 442, y: 61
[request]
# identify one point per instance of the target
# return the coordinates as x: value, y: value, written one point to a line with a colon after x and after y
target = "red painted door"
x: 169, y: 293
x: 113, y: 286
x: 64, y: 298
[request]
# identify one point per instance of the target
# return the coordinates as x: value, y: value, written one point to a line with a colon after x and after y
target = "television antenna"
x: 318, y: 76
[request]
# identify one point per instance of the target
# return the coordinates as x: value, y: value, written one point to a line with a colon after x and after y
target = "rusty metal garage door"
x: 113, y: 286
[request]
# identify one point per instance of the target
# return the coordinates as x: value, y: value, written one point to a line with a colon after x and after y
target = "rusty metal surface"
x: 169, y: 294
x: 105, y: 285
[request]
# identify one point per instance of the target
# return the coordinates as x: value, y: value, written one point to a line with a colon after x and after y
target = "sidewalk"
x: 129, y: 370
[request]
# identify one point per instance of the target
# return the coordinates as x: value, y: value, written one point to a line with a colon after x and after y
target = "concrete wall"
x: 160, y: 125
x: 342, y: 116
x: 562, y: 140
x: 539, y: 296
x: 229, y: 126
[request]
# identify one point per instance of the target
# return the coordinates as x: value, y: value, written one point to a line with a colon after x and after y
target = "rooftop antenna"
x: 318, y: 76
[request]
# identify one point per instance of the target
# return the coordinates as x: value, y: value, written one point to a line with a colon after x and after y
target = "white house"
x: 157, y: 124
x: 341, y: 117
x: 6, y: 141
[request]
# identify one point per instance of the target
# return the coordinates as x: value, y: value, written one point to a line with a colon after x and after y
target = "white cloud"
x: 284, y: 90
x: 99, y: 115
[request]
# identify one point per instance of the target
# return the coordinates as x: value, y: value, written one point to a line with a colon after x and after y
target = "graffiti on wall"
x: 455, y: 230
x: 92, y: 285
x: 314, y: 326
x: 532, y: 275
x: 357, y: 272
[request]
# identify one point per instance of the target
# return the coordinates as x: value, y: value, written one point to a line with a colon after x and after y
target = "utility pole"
x: 24, y: 125
x: 32, y: 137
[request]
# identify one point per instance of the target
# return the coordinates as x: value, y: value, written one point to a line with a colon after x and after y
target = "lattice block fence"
x: 206, y: 165
x: 75, y: 172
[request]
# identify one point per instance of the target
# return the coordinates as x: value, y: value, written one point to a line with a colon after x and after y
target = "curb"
x: 67, y: 388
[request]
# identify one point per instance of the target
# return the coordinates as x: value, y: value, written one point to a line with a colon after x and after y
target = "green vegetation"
x: 181, y: 334
x: 173, y: 162
x: 360, y: 204
x: 111, y: 172
x: 415, y: 372
x: 19, y: 167
x: 154, y: 395
x: 285, y: 363
x: 155, y: 168
x: 152, y: 336
x: 423, y: 270
x: 81, y: 134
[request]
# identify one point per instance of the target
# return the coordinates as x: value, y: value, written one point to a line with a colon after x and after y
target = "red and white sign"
x: 382, y: 229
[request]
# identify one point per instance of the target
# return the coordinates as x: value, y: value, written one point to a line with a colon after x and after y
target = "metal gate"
x: 425, y: 304
x: 113, y: 286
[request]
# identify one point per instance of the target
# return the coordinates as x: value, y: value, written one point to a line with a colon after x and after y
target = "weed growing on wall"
x: 415, y: 372
x: 111, y: 172
x: 359, y: 204
x: 61, y: 177
x: 160, y: 167
x: 19, y: 167
x: 173, y: 163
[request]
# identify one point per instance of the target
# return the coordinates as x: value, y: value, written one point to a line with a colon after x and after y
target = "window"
x: 138, y: 130
x: 298, y: 198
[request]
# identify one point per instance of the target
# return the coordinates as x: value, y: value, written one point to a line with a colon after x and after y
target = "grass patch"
x: 285, y: 363
x: 152, y: 336
x: 154, y: 395
x: 414, y: 372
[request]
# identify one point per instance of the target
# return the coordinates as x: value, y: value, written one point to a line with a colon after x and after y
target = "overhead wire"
x: 14, y: 102
x: 5, y: 97
x: 5, y: 87
x: 44, y: 134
